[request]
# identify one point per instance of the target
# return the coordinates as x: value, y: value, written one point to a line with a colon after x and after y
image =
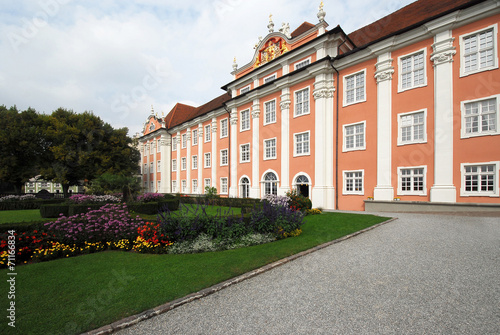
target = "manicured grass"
x: 78, y: 294
x: 25, y: 215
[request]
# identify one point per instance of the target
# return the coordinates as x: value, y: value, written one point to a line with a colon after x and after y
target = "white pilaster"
x: 233, y: 164
x: 255, y: 190
x: 188, y: 161
x: 323, y: 191
x: 166, y: 159
x: 214, y: 153
x: 443, y: 189
x: 178, y: 173
x: 285, y: 142
x: 384, y: 189
x: 201, y: 160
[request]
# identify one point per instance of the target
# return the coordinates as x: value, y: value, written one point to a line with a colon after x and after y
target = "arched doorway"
x: 302, y: 185
x: 270, y: 183
x: 244, y: 187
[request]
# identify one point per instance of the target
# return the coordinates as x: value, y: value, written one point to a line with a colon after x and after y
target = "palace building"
x: 405, y: 108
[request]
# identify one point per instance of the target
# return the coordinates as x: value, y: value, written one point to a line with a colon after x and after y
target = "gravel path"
x: 421, y: 274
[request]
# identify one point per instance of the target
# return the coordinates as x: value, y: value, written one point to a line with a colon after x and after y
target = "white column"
x: 443, y: 189
x: 255, y: 190
x: 285, y: 142
x: 188, y: 161
x: 201, y: 160
x: 214, y: 153
x: 155, y: 166
x: 323, y: 192
x: 178, y: 174
x: 384, y: 189
x: 166, y: 165
x: 233, y: 164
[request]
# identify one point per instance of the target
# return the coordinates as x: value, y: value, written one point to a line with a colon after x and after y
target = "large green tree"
x: 82, y: 147
x: 22, y: 145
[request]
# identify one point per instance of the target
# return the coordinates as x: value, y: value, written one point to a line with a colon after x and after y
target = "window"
x: 270, y: 78
x: 245, y: 187
x: 207, y: 184
x: 208, y: 134
x: 195, y: 137
x: 223, y: 185
x: 270, y: 183
x: 480, y: 117
x: 158, y: 185
x: 270, y: 149
x: 151, y: 168
x: 354, y: 88
x: 480, y: 179
x: 412, y: 71
x: 302, y: 102
x: 245, y: 120
x: 354, y: 137
x: 223, y: 157
x: 245, y: 89
x: 184, y: 141
x: 183, y: 163
x: 411, y: 127
x: 208, y: 160
x: 158, y: 166
x: 245, y: 153
x: 145, y: 169
x: 152, y: 185
x: 479, y: 51
x: 194, y: 160
x: 302, y: 63
x: 174, y: 165
x: 223, y: 128
x: 174, y: 186
x: 353, y: 182
x: 270, y: 112
x: 174, y: 143
x: 158, y: 146
x: 412, y: 180
x: 184, y: 186
x: 301, y: 144
x: 195, y: 186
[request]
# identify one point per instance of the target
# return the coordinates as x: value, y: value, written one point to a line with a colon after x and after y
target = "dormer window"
x: 270, y: 78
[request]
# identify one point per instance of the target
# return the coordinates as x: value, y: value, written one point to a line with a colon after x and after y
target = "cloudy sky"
x: 117, y: 58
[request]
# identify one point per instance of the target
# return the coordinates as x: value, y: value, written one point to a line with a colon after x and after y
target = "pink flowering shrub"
x: 111, y: 222
x: 150, y: 197
x: 91, y: 199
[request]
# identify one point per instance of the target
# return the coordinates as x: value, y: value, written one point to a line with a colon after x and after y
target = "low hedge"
x: 54, y: 211
x: 27, y: 204
x: 21, y: 227
x: 226, y: 202
x: 152, y: 208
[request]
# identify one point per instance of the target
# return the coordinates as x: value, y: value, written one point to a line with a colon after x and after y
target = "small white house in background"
x: 36, y: 184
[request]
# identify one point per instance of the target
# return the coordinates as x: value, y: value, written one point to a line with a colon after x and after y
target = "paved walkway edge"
x: 134, y: 319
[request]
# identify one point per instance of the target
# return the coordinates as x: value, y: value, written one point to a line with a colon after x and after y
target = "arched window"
x: 270, y: 183
x: 245, y: 187
x: 302, y: 184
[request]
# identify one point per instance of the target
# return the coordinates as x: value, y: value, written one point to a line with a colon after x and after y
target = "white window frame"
x: 240, y: 188
x: 463, y: 130
x: 464, y: 73
x: 493, y: 194
x: 400, y: 128
x: 194, y: 162
x: 209, y: 155
x: 245, y: 89
x: 174, y: 143
x: 224, y: 129
x: 158, y: 185
x: 222, y: 185
x: 184, y: 141
x: 194, y: 137
x: 308, y: 153
x: 205, y: 184
x: 296, y: 103
x: 208, y: 133
x: 270, y: 78
x: 400, y: 67
x: 356, y: 101
x: 145, y: 171
x: 158, y: 166
x: 174, y: 186
x: 272, y: 187
x: 241, y: 153
x: 299, y: 65
x: 183, y: 186
x: 158, y: 146
x: 344, y: 148
x: 222, y: 151
x: 174, y: 165
x: 275, y: 148
x: 265, y: 112
x: 151, y: 168
x: 400, y: 180
x: 344, y: 182
x: 243, y: 120
x: 183, y: 163
x: 194, y: 184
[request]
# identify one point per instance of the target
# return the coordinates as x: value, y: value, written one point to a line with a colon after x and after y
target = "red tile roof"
x: 406, y: 18
x: 302, y: 29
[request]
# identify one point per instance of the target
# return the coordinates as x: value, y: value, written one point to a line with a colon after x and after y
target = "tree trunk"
x: 65, y: 188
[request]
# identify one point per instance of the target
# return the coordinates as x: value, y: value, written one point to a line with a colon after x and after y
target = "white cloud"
x: 119, y: 58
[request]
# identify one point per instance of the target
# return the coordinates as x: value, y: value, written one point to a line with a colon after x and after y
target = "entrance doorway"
x: 302, y: 184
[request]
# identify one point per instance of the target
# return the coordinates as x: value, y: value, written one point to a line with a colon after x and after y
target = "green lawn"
x: 25, y: 215
x: 78, y: 294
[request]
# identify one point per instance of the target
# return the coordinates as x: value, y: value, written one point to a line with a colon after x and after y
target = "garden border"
x: 134, y: 319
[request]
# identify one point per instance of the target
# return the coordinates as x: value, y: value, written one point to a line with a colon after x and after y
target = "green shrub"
x: 21, y: 227
x: 298, y: 201
x: 54, y: 210
x: 28, y: 204
x: 152, y: 208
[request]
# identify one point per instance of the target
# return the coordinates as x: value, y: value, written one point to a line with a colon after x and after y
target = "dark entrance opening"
x: 303, y: 189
